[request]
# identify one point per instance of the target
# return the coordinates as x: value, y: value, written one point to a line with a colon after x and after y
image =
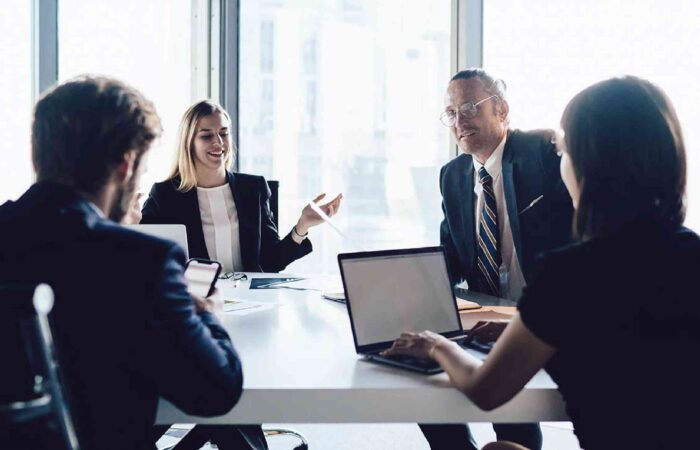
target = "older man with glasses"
x: 503, y: 202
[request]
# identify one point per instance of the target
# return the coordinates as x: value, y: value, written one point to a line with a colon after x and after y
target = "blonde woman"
x: 227, y: 214
x: 228, y: 218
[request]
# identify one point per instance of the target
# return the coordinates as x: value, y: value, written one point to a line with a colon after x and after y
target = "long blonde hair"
x: 183, y: 166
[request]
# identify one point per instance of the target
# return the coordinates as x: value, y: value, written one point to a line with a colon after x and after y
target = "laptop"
x: 177, y: 233
x: 391, y: 291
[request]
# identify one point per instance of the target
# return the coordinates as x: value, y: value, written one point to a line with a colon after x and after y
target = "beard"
x: 122, y: 200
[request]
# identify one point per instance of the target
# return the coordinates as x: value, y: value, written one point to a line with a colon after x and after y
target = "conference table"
x: 300, y: 366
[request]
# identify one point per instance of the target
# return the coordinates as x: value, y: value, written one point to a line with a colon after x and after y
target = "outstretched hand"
x: 310, y: 218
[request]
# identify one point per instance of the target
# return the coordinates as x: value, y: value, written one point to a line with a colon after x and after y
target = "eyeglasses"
x: 234, y: 276
x: 467, y: 110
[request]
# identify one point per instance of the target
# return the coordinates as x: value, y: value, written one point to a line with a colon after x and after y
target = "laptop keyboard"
x: 413, y: 361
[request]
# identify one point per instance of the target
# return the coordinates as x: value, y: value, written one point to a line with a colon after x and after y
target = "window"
x: 16, y: 173
x: 350, y: 101
x: 584, y: 42
x: 143, y: 43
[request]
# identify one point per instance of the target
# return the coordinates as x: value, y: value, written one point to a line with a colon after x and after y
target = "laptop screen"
x: 177, y: 233
x: 395, y: 291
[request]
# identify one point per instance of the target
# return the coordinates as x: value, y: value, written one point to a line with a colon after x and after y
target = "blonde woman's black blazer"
x: 261, y: 248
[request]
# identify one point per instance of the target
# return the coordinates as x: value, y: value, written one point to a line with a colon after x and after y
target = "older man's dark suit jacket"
x: 530, y: 169
x: 261, y: 248
x: 125, y: 327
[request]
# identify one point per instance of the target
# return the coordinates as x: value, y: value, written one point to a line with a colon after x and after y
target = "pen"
x: 531, y: 204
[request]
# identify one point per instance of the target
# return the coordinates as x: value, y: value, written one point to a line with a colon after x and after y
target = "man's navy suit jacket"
x: 261, y: 248
x: 125, y: 327
x: 530, y: 169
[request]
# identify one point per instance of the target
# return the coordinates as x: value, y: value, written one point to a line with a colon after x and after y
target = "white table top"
x: 300, y: 366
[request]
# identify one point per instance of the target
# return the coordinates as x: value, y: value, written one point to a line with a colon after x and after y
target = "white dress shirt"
x: 512, y: 280
x: 220, y: 225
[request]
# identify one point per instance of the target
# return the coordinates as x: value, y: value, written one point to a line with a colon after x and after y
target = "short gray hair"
x: 494, y: 86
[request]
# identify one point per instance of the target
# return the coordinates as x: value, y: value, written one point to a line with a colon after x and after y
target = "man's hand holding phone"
x: 213, y: 304
x: 201, y: 276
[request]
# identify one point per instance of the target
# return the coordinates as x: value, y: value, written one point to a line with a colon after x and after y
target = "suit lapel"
x: 466, y: 189
x: 510, y: 194
x: 246, y: 236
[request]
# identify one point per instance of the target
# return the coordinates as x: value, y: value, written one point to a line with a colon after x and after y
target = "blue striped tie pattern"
x: 488, y: 254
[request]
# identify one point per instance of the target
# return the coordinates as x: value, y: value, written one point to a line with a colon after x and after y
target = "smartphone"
x: 201, y: 276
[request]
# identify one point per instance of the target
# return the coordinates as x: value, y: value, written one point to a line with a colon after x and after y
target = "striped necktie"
x: 488, y: 255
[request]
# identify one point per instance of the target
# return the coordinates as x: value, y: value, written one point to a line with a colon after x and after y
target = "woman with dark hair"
x: 614, y: 318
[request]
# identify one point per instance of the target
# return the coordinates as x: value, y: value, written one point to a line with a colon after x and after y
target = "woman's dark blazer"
x: 261, y: 248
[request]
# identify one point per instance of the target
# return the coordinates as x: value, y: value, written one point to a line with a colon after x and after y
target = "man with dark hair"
x: 127, y: 331
x: 504, y: 203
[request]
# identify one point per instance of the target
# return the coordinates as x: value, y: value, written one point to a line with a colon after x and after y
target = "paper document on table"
x: 330, y: 223
x: 465, y: 305
x: 469, y: 319
x: 231, y: 305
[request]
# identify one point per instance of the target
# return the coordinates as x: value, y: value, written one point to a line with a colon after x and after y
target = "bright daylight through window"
x: 586, y: 41
x: 345, y: 97
x: 145, y: 44
x: 16, y: 94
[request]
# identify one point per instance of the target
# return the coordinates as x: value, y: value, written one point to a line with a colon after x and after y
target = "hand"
x: 486, y: 331
x: 420, y: 345
x: 310, y: 218
x: 213, y: 304
x: 133, y: 216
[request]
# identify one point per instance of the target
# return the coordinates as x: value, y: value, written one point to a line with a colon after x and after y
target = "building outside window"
x: 358, y: 89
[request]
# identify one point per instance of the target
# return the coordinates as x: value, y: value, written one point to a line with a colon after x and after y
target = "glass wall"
x: 344, y: 96
x: 16, y: 173
x: 563, y: 47
x: 143, y: 43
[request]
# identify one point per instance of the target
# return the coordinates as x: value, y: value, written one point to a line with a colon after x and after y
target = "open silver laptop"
x: 177, y: 233
x: 392, y: 291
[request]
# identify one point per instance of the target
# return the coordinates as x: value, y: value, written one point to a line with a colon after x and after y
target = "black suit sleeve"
x: 189, y: 356
x: 276, y: 254
x: 447, y: 242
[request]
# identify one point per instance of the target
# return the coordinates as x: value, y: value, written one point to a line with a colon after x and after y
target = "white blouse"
x: 220, y: 225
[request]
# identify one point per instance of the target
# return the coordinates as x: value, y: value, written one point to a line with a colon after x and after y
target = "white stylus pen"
x: 328, y: 220
x: 532, y: 203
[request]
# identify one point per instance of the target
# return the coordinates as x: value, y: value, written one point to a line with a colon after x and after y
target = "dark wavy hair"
x: 628, y: 155
x: 83, y: 128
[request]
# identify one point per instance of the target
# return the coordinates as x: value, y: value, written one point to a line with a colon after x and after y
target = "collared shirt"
x: 220, y: 226
x: 512, y: 280
x: 96, y: 209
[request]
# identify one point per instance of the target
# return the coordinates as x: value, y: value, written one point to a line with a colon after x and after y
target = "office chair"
x: 274, y: 201
x: 304, y: 444
x: 33, y: 412
x: 197, y: 437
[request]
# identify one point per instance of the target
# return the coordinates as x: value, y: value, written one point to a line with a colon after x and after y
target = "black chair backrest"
x: 274, y: 200
x: 33, y: 413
